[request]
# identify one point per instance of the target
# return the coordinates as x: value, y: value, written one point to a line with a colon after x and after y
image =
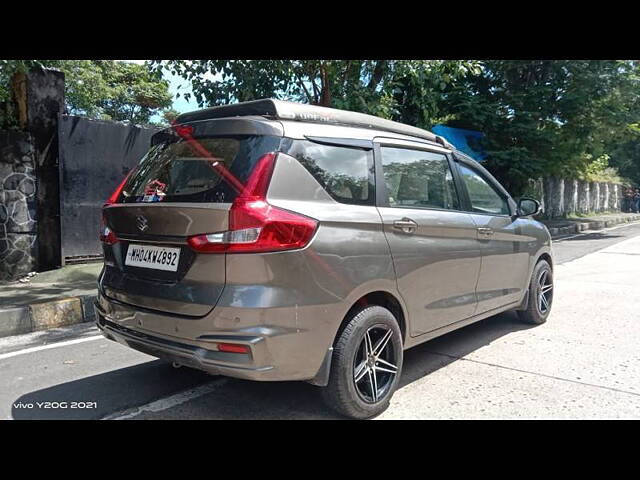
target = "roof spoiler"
x: 283, y: 110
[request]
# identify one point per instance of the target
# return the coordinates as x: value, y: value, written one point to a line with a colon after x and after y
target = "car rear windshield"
x: 205, y: 169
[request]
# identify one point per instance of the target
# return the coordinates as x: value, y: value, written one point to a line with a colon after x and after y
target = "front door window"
x: 484, y: 198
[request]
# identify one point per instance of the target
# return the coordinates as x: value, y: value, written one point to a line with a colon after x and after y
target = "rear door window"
x: 418, y: 179
x: 209, y: 169
x: 346, y: 173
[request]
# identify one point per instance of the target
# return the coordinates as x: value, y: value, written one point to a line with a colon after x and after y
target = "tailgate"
x: 184, y: 186
x: 185, y: 284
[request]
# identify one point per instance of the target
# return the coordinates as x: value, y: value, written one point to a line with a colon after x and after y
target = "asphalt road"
x: 583, y: 363
x: 571, y: 247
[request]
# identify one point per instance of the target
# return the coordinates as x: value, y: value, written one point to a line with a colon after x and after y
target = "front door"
x: 505, y: 256
x: 434, y: 245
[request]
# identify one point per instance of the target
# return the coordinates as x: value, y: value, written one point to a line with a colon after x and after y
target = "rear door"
x: 505, y: 249
x: 184, y: 186
x: 176, y: 282
x: 433, y: 243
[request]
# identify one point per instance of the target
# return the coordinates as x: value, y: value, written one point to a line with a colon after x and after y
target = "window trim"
x: 342, y: 142
x: 348, y: 143
x: 382, y: 199
x: 499, y: 189
x: 410, y: 144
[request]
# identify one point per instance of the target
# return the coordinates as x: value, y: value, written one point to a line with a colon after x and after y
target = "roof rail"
x: 284, y: 110
x: 443, y: 141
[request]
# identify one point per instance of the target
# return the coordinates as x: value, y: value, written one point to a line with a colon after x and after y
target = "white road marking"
x: 595, y: 231
x: 168, y: 402
x: 51, y: 345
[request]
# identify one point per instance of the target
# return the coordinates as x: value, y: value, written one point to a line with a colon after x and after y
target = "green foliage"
x: 8, y: 68
x: 547, y: 117
x: 103, y: 89
x: 134, y: 93
x: 625, y: 158
x: 539, y: 117
x: 395, y: 89
x: 599, y: 170
x: 169, y: 116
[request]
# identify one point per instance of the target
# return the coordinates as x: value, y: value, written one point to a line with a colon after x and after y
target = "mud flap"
x: 525, y: 301
x: 322, y: 377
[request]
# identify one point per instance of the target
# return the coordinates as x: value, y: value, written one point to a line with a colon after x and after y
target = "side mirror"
x: 528, y: 207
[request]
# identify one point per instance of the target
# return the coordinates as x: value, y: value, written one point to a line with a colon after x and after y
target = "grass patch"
x: 592, y: 214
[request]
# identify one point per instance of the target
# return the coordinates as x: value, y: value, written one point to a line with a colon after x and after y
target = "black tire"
x: 357, y: 399
x: 538, y: 309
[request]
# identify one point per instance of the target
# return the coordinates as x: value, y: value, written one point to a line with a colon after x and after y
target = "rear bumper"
x: 133, y: 328
x: 182, y: 353
x: 211, y: 360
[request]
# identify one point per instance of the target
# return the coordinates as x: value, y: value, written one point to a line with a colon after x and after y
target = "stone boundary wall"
x: 18, y: 246
x: 561, y: 197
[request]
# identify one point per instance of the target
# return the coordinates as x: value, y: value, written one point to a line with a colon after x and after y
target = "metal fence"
x: 94, y: 157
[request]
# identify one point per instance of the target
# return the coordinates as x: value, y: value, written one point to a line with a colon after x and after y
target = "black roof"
x: 282, y: 110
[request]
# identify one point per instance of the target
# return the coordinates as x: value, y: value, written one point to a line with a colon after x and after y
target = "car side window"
x: 418, y: 179
x: 484, y: 198
x: 344, y: 172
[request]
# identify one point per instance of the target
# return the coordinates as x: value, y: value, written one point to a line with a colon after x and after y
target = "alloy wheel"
x: 375, y: 364
x: 545, y: 292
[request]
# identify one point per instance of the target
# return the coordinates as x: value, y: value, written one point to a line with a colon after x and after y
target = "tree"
x: 539, y: 117
x: 169, y: 116
x: 546, y: 117
x: 8, y: 69
x: 135, y: 93
x: 219, y: 82
x: 625, y: 158
x: 370, y: 86
x: 101, y: 88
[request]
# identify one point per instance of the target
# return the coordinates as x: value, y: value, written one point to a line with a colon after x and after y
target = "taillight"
x: 254, y: 225
x: 106, y: 234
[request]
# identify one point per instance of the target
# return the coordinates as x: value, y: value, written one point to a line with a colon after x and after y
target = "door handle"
x: 485, y: 232
x: 406, y: 225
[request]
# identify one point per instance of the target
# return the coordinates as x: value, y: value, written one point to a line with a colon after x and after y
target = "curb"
x: 595, y: 225
x: 46, y: 315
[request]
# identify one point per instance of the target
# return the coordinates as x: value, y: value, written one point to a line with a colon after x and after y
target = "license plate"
x: 148, y: 256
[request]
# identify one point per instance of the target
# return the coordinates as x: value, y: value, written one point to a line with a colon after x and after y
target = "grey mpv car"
x: 271, y: 240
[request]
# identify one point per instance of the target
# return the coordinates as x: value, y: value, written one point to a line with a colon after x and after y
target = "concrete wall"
x: 95, y: 155
x: 18, y: 226
x: 44, y: 104
x: 561, y: 197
